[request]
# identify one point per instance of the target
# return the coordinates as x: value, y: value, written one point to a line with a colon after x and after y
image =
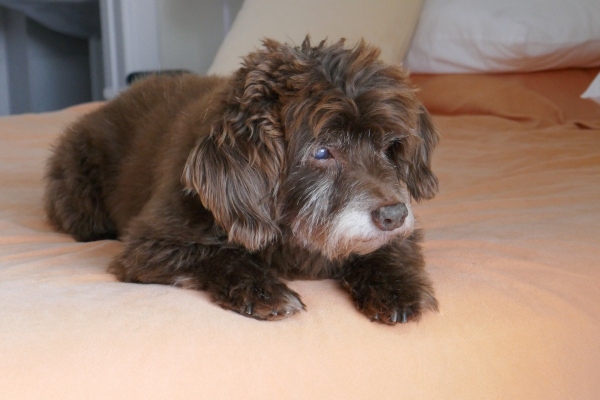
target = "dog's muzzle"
x: 388, y: 218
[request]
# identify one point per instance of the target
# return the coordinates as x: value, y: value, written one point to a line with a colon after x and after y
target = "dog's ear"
x: 236, y: 170
x: 238, y: 183
x: 421, y: 181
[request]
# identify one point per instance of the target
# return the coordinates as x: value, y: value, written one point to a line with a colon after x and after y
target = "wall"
x: 191, y: 31
x: 4, y: 95
x: 40, y: 69
x: 142, y: 35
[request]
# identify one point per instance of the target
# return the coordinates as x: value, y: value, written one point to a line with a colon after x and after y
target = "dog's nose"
x: 388, y: 218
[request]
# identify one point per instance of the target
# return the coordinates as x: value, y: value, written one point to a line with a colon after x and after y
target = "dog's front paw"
x: 264, y: 300
x: 392, y: 302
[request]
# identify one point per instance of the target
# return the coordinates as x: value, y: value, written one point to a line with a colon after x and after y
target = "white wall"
x: 142, y: 35
x: 191, y: 31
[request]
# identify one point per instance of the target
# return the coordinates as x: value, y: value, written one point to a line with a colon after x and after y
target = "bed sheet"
x: 512, y: 245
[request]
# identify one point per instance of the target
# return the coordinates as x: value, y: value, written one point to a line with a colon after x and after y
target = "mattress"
x: 511, y: 244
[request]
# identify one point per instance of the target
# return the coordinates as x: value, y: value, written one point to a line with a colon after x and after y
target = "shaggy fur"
x: 300, y: 165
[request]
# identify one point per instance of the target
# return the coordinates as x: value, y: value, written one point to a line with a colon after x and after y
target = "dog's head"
x: 325, y: 145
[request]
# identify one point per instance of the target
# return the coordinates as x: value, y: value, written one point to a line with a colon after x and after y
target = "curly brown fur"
x: 300, y: 165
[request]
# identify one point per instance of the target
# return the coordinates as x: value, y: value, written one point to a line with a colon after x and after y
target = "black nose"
x: 388, y: 218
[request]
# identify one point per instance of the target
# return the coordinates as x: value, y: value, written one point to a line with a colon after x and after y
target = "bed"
x: 512, y: 245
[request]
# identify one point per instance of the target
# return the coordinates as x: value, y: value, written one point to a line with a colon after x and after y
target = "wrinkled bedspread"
x: 512, y: 245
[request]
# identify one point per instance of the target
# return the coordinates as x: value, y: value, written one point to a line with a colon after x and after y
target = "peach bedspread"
x: 512, y: 245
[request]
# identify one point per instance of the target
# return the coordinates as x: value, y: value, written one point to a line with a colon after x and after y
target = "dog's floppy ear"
x: 236, y: 169
x: 421, y: 181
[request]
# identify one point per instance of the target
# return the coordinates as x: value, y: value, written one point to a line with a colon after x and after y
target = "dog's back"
x: 93, y: 168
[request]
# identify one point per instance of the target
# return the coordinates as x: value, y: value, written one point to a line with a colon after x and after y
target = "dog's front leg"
x: 390, y: 285
x: 235, y: 279
x: 238, y: 281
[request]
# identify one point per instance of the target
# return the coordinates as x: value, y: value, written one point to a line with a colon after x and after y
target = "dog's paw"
x: 393, y: 303
x: 269, y: 301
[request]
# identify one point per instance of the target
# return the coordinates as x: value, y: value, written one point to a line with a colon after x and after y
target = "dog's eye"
x: 392, y: 148
x: 322, y: 154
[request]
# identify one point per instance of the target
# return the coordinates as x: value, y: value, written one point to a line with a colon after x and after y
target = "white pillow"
x: 505, y: 35
x: 388, y: 24
x: 593, y: 92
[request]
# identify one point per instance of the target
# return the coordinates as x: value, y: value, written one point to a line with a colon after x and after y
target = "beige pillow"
x: 388, y: 24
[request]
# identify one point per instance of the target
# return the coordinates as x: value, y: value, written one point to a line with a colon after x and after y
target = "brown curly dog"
x: 300, y: 165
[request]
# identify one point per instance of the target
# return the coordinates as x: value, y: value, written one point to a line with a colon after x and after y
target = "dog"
x: 301, y: 165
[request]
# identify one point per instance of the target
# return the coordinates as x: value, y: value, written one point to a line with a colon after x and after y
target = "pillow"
x: 388, y: 24
x: 503, y: 36
x: 593, y: 91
